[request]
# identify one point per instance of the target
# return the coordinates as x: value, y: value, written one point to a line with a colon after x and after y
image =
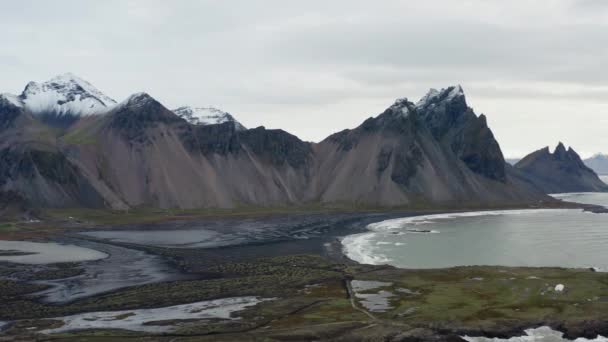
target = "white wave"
x: 403, y: 222
x: 360, y: 248
x: 538, y: 334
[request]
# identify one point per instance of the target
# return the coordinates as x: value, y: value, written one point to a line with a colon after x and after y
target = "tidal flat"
x: 317, y: 292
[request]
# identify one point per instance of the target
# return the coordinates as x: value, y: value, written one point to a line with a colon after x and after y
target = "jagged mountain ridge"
x: 140, y: 153
x: 65, y: 98
x: 559, y: 172
x: 428, y: 152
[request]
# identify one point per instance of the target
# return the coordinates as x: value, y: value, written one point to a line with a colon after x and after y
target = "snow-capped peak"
x: 401, y: 106
x: 137, y: 100
x: 206, y: 116
x: 446, y: 94
x: 454, y: 91
x: 432, y: 93
x: 66, y: 94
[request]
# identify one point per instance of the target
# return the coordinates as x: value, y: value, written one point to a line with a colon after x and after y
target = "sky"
x: 538, y: 70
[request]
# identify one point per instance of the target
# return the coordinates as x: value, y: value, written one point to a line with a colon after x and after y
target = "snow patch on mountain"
x: 206, y: 116
x: 446, y: 94
x: 12, y: 99
x: 136, y: 100
x: 454, y: 91
x: 65, y: 94
x: 401, y: 107
x: 432, y: 94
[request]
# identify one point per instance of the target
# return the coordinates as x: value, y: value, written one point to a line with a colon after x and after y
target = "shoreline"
x: 329, y: 247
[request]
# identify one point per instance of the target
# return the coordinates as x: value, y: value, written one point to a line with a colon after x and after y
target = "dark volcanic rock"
x: 35, y: 172
x: 406, y: 165
x: 139, y: 112
x: 12, y: 204
x: 277, y: 146
x: 452, y: 122
x: 8, y: 113
x: 561, y: 171
x: 384, y: 158
x: 220, y: 139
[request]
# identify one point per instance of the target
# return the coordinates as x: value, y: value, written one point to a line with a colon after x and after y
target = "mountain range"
x: 599, y: 163
x: 63, y: 143
x: 560, y: 171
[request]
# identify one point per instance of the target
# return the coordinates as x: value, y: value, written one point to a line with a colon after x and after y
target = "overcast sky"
x: 537, y: 69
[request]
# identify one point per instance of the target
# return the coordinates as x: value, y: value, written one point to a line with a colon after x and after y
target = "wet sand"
x: 122, y: 268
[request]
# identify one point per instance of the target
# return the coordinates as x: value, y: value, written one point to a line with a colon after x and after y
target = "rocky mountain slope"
x: 598, y: 163
x: 435, y: 151
x: 138, y: 153
x: 560, y: 171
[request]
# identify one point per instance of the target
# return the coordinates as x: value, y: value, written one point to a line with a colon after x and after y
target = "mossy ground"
x: 142, y: 215
x: 312, y: 300
x: 312, y: 297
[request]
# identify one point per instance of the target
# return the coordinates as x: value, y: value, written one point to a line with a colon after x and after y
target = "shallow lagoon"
x: 104, y: 267
x: 123, y: 267
x: 143, y: 319
x: 551, y: 237
x: 25, y: 252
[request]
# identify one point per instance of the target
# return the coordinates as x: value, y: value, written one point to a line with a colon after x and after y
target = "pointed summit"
x: 402, y: 107
x: 65, y: 94
x: 434, y: 96
x: 562, y: 171
x: 137, y: 100
x: 202, y: 116
x: 560, y: 147
x: 560, y: 151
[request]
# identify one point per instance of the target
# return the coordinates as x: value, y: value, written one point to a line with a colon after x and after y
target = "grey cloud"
x: 316, y: 67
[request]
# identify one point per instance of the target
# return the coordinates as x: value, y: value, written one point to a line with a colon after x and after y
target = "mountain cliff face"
x: 435, y: 151
x: 560, y: 171
x: 139, y: 153
x: 598, y: 163
x: 32, y: 165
